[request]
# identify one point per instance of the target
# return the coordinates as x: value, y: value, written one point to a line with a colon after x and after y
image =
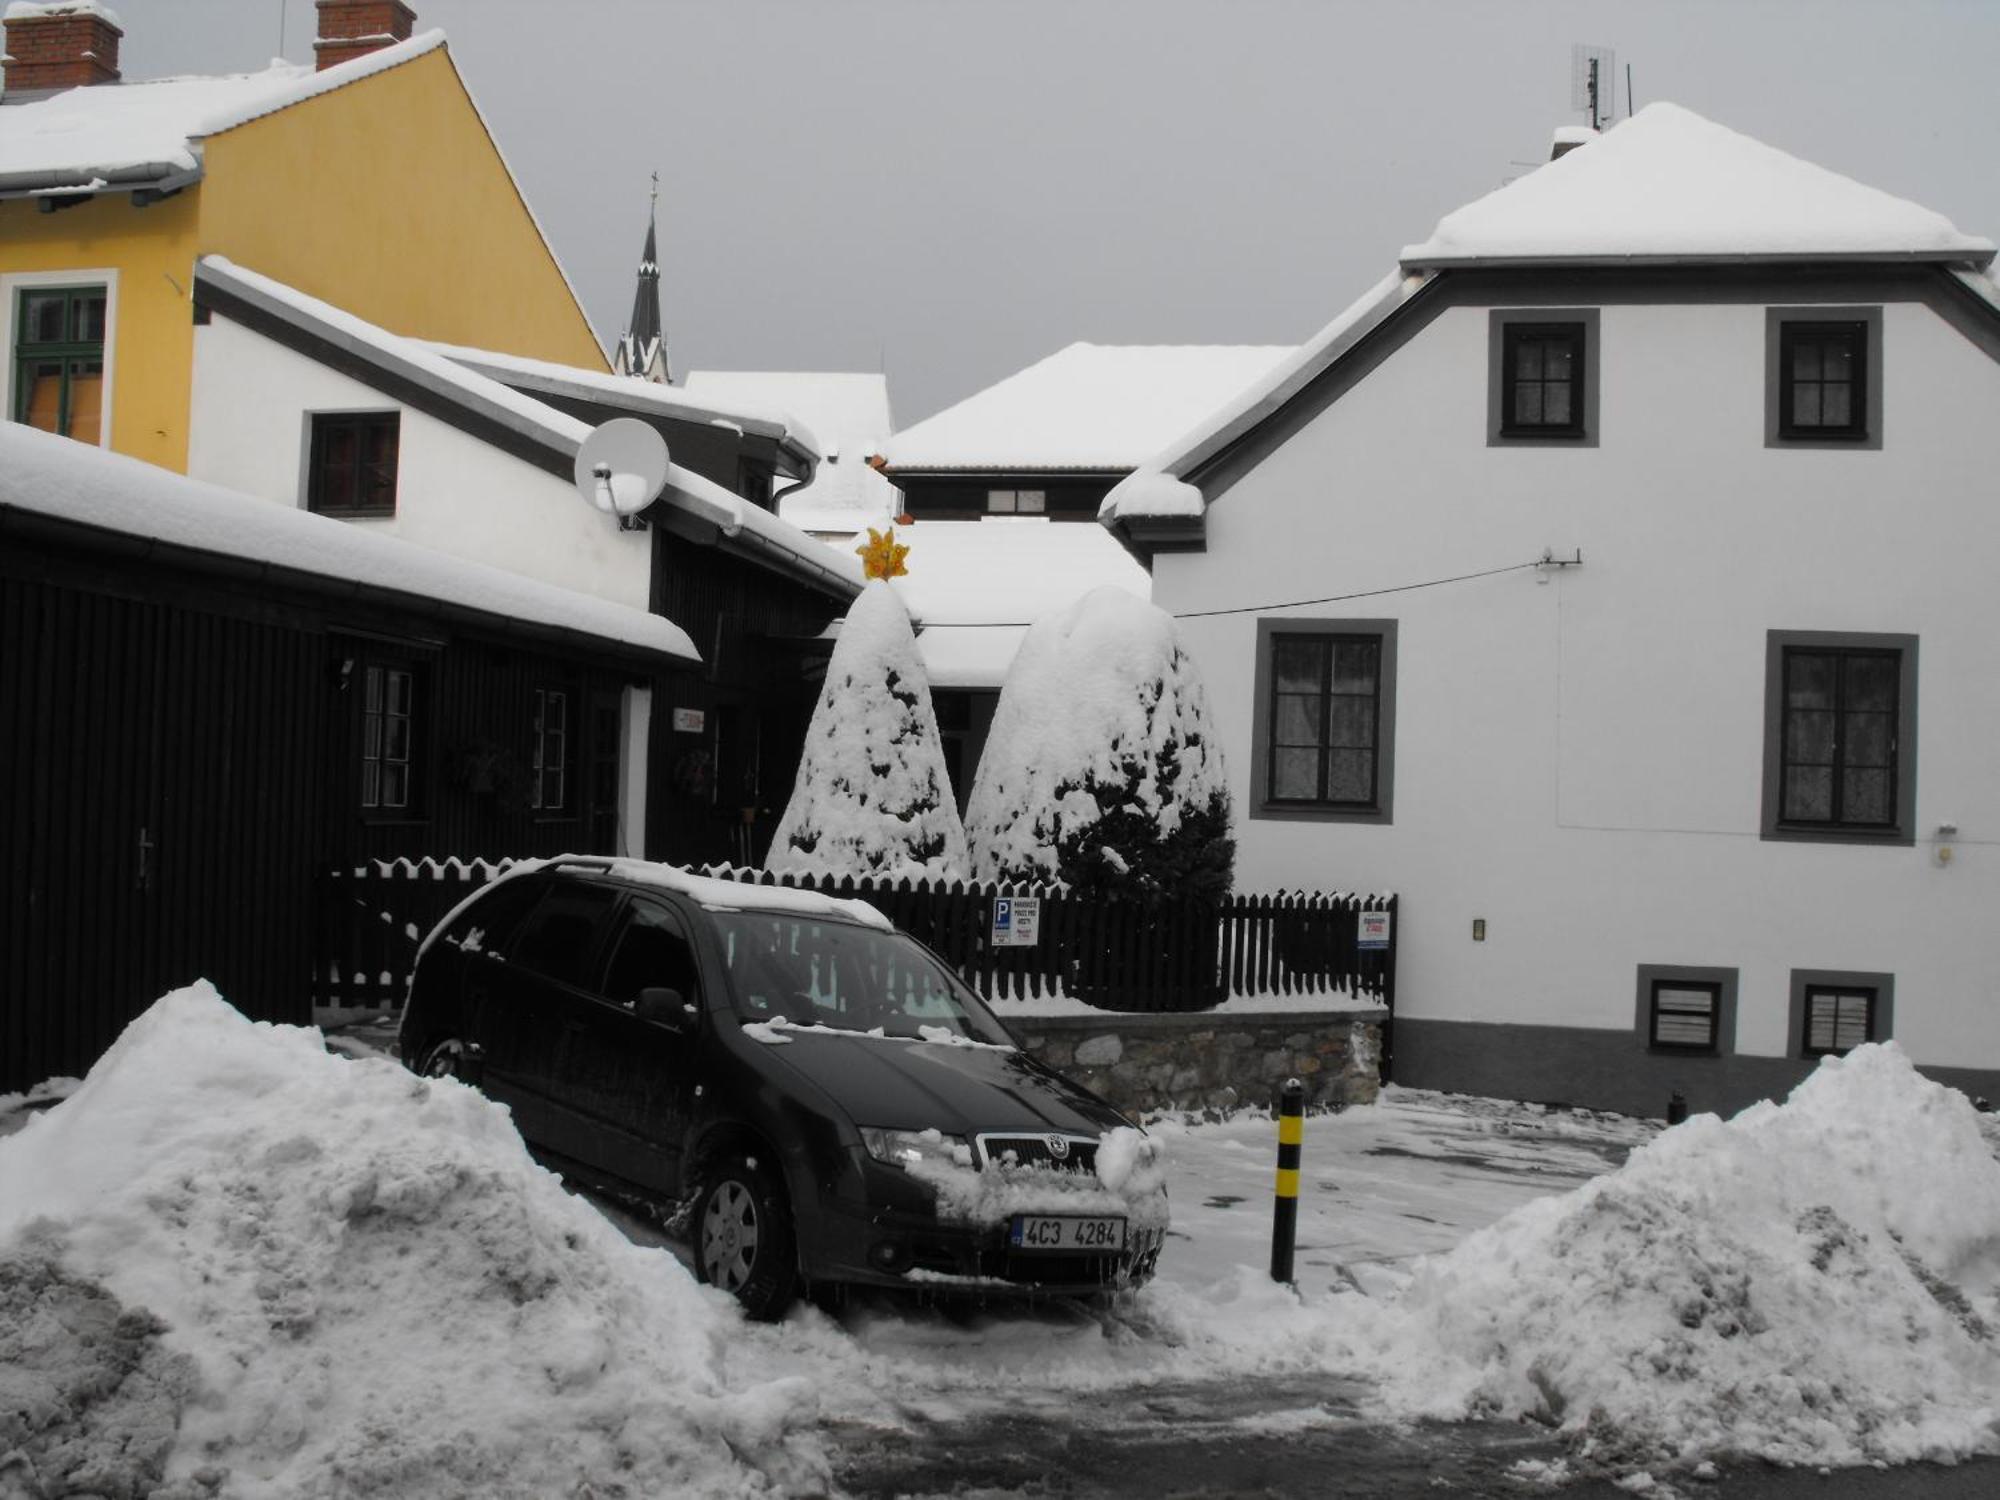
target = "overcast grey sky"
x: 950, y: 189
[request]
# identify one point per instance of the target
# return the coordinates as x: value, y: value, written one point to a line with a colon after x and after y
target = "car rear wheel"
x: 743, y: 1237
x: 444, y: 1058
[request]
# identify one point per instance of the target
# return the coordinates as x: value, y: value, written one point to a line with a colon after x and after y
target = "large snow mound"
x: 364, y: 1284
x: 1812, y: 1282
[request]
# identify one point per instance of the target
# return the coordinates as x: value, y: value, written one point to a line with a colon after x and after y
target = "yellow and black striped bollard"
x: 1285, y: 1216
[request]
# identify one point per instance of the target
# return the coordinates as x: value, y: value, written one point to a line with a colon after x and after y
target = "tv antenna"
x: 1593, y: 83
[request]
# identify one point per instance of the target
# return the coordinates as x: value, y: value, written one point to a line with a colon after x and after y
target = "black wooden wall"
x: 177, y: 766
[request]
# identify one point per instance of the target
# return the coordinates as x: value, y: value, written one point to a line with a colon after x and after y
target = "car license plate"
x: 1066, y: 1232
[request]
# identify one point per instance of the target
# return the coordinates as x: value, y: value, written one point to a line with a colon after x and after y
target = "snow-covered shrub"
x: 1102, y: 769
x: 872, y: 795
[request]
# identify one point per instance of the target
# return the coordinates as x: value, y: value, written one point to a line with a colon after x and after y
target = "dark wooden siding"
x: 761, y: 673
x: 156, y: 825
x: 179, y: 749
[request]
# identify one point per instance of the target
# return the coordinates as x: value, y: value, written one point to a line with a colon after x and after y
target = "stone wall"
x: 1212, y: 1063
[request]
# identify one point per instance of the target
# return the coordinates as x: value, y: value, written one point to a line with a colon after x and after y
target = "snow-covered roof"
x: 1085, y: 407
x: 850, y: 414
x: 1665, y: 185
x: 73, y: 482
x: 633, y: 393
x: 976, y: 587
x: 1668, y: 184
x: 556, y: 433
x: 116, y: 137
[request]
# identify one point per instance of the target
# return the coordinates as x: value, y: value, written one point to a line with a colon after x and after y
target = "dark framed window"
x: 1840, y: 737
x: 388, y: 737
x: 550, y: 790
x: 1543, y: 376
x: 1017, y: 502
x: 1324, y: 740
x: 560, y: 939
x: 351, y: 468
x: 1836, y: 1010
x: 1823, y: 377
x: 1687, y: 1009
x: 59, y: 360
x: 1685, y: 1015
x: 651, y: 949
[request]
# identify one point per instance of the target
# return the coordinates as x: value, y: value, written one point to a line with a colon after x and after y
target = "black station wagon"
x: 830, y: 1099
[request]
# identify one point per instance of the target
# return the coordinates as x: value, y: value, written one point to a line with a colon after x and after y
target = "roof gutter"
x: 155, y: 179
x: 1418, y: 264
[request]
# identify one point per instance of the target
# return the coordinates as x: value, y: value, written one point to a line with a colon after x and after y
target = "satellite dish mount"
x: 621, y: 468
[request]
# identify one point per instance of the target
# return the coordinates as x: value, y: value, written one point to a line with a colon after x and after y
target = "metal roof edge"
x: 1965, y: 256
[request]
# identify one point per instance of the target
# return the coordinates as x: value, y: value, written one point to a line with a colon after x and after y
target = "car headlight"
x: 908, y: 1148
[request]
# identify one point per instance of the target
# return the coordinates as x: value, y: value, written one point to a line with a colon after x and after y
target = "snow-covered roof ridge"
x: 69, y: 481
x: 144, y: 131
x: 1092, y: 407
x: 1153, y: 490
x: 28, y: 10
x: 1669, y: 185
x: 631, y: 392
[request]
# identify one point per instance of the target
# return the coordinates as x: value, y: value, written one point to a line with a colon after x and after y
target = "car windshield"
x: 848, y: 977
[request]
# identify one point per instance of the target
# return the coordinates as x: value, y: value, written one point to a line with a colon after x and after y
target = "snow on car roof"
x: 713, y: 894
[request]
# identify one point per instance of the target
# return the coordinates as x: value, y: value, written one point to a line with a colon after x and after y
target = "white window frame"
x: 13, y: 283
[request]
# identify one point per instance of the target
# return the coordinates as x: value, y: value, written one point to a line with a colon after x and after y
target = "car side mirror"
x: 665, y: 1007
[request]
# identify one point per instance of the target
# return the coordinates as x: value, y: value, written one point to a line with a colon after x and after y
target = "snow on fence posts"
x: 1143, y: 954
x: 372, y: 916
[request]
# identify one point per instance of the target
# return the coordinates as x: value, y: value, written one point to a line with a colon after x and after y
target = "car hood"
x: 958, y: 1089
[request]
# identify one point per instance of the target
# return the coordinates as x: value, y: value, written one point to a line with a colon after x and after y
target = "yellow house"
x: 371, y: 183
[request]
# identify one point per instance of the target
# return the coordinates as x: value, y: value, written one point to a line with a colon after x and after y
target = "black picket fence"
x: 1134, y: 955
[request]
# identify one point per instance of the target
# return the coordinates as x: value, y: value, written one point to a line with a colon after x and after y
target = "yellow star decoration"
x: 883, y: 556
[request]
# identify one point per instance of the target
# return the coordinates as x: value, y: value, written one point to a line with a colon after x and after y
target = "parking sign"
x: 1017, y: 921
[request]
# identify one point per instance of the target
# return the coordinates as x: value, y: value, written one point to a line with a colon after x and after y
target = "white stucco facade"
x: 1579, y: 753
x: 250, y: 429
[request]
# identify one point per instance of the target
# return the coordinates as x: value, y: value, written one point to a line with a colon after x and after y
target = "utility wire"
x: 1252, y: 609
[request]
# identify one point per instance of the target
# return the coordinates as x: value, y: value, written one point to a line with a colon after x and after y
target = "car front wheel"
x: 743, y: 1238
x: 444, y: 1058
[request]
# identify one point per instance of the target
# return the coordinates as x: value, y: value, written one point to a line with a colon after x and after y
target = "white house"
x: 474, y: 454
x: 1614, y: 581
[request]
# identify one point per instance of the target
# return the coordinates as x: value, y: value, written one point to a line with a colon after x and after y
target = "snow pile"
x: 349, y: 1280
x: 1100, y: 750
x: 1811, y: 1283
x: 872, y: 795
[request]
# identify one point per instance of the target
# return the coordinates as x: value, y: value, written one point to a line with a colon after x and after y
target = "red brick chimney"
x: 354, y: 28
x: 62, y: 44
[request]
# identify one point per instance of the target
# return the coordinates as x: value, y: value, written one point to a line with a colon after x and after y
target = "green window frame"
x: 58, y: 359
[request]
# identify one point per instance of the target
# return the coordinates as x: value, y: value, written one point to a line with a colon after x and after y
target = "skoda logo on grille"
x: 1058, y: 1147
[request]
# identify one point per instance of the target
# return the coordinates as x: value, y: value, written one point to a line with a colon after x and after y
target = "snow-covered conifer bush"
x: 1102, y: 769
x: 872, y: 796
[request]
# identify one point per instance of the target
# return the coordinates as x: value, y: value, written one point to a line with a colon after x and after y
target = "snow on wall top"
x: 849, y: 412
x: 1088, y: 406
x: 56, y: 477
x: 1669, y: 183
x: 628, y: 391
x: 154, y: 128
x: 978, y: 585
x: 30, y: 10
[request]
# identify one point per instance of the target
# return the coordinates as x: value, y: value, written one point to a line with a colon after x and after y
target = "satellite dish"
x: 622, y: 467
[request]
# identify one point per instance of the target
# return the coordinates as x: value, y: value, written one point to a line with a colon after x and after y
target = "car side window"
x: 487, y: 924
x: 559, y: 939
x: 651, y: 951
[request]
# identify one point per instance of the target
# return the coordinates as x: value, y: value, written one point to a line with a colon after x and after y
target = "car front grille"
x: 1055, y: 1151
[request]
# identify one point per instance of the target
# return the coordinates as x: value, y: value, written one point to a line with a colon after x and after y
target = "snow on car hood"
x: 903, y: 1083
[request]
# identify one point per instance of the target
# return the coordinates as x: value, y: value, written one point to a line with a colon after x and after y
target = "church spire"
x: 642, y: 348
